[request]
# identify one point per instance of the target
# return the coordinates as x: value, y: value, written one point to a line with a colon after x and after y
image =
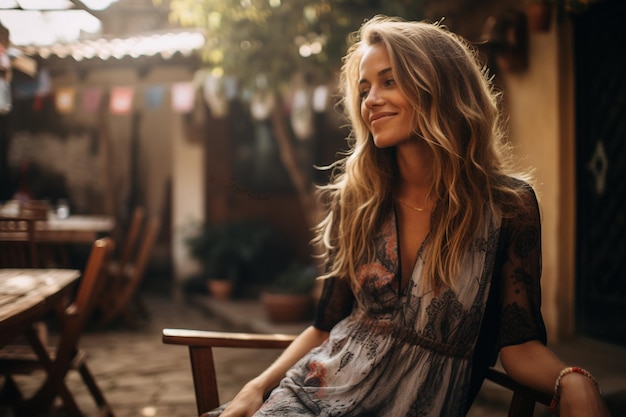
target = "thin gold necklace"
x: 410, y: 206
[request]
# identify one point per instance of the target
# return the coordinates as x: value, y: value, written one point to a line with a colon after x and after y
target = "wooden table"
x: 74, y: 229
x: 49, y: 240
x: 26, y: 295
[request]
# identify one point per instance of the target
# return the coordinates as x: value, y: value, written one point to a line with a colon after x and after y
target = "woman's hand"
x: 246, y: 402
x: 580, y: 397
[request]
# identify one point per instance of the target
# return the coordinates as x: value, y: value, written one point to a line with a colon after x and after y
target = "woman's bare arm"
x: 534, y: 365
x: 250, y: 398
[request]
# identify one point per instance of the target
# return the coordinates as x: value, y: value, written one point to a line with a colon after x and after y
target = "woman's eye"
x: 363, y: 94
x: 390, y: 82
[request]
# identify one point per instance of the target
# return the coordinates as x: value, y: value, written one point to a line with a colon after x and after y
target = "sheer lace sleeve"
x: 513, y: 310
x: 520, y: 275
x: 337, y: 298
x: 335, y: 303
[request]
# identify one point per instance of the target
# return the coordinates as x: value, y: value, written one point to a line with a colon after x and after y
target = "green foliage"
x: 297, y: 278
x: 238, y: 250
x: 248, y: 38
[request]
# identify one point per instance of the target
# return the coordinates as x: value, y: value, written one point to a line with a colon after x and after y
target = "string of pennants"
x: 120, y: 100
x: 183, y: 96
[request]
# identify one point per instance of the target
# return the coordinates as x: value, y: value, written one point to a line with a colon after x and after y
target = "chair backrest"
x: 129, y: 245
x: 92, y: 280
x: 18, y: 246
x: 35, y: 209
x: 73, y: 320
x: 125, y: 278
x: 145, y: 248
x: 135, y: 269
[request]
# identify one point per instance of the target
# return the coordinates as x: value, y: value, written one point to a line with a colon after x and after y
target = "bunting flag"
x: 64, y: 99
x: 92, y: 97
x: 121, y: 100
x: 302, y: 115
x: 44, y: 83
x: 262, y: 104
x: 38, y: 103
x: 153, y: 96
x: 39, y: 85
x: 320, y: 99
x: 230, y: 87
x: 215, y: 95
x: 183, y: 97
x: 5, y: 96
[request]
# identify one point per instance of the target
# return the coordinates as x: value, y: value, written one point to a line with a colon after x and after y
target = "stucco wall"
x: 188, y: 196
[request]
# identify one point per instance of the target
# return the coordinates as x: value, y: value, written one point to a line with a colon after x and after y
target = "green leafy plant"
x: 296, y: 278
x: 244, y: 250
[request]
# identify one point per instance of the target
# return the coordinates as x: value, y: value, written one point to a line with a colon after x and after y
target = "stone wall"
x: 76, y: 158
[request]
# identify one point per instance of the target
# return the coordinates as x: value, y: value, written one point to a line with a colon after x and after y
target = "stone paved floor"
x: 142, y: 377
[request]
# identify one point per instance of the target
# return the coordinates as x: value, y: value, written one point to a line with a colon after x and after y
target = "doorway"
x: 600, y: 65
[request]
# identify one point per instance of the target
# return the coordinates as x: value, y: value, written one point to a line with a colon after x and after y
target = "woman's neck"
x: 415, y: 179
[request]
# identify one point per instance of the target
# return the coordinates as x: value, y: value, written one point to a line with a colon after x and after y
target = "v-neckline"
x: 402, y: 287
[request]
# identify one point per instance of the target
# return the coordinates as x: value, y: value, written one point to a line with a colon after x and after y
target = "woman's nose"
x: 373, y: 98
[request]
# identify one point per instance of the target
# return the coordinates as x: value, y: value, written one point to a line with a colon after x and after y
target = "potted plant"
x: 228, y: 251
x: 289, y: 297
x: 206, y: 245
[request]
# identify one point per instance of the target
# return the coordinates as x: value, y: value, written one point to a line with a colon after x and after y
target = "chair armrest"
x: 520, y: 391
x: 205, y: 338
x: 201, y: 344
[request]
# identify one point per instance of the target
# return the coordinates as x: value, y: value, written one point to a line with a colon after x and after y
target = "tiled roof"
x: 164, y: 44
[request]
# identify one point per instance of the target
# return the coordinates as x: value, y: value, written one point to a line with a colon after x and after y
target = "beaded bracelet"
x: 554, y: 404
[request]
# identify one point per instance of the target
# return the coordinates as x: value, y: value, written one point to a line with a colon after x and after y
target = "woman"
x: 432, y: 248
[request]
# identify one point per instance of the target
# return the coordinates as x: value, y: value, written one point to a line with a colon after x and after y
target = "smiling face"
x: 384, y: 108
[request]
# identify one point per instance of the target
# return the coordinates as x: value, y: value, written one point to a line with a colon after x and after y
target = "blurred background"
x: 213, y: 115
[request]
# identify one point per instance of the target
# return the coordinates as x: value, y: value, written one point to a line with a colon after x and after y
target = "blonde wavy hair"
x: 457, y: 116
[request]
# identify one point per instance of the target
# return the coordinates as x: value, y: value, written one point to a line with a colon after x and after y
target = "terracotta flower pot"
x: 220, y: 289
x: 286, y: 308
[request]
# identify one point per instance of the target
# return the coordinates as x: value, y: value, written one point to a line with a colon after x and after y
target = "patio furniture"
x: 56, y: 361
x: 124, y: 276
x: 18, y: 247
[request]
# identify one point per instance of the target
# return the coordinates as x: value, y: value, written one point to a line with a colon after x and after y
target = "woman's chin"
x: 383, y: 143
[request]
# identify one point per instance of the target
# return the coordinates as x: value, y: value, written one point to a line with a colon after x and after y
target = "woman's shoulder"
x: 516, y: 183
x: 518, y: 197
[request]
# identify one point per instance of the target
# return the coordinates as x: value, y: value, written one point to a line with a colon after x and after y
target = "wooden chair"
x: 123, y: 279
x: 123, y: 257
x: 201, y: 344
x: 18, y: 246
x: 129, y: 246
x: 36, y: 209
x: 50, y: 254
x: 58, y: 361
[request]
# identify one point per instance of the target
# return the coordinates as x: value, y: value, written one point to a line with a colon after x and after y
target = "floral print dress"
x: 400, y: 352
